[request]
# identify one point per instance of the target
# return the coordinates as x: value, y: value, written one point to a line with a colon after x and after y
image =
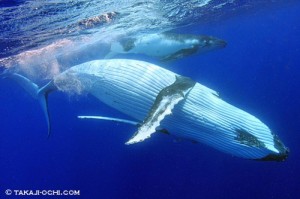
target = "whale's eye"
x: 246, y: 138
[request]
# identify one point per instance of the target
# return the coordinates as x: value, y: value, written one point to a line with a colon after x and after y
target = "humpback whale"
x: 166, y: 46
x: 160, y: 100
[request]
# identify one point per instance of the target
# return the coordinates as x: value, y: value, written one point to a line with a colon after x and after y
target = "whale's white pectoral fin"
x: 149, y: 126
x: 163, y: 105
x: 109, y: 119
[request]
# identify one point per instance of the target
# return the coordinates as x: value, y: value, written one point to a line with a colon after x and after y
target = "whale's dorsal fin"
x: 115, y: 48
x: 120, y: 47
x: 163, y: 105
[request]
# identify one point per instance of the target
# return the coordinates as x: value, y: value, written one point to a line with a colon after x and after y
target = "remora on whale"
x: 166, y: 46
x: 199, y: 114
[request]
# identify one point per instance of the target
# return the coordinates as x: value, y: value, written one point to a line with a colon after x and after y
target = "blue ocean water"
x: 258, y: 72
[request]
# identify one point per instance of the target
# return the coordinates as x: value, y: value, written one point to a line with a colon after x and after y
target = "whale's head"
x: 280, y: 154
x: 263, y: 141
x: 207, y: 43
x: 251, y: 138
x: 228, y: 128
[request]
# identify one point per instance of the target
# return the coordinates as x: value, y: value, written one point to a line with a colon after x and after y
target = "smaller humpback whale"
x: 166, y: 46
x: 159, y: 100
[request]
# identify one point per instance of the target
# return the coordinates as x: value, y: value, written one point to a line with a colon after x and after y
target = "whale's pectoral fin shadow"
x: 163, y: 105
x: 180, y: 54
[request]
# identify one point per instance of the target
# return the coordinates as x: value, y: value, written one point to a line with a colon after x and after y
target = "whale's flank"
x: 198, y: 113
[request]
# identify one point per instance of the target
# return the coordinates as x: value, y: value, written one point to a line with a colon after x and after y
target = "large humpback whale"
x: 163, y: 101
x: 166, y: 46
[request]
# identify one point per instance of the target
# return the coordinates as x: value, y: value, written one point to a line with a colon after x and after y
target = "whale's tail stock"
x: 41, y: 94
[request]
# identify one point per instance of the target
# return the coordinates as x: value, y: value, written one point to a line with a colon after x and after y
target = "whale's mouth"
x: 279, y: 154
x: 280, y: 157
x: 283, y: 151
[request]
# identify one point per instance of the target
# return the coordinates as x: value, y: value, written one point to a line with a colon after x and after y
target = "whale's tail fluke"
x: 43, y: 100
x: 41, y: 94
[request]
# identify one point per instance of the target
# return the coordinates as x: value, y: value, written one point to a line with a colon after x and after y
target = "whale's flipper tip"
x: 143, y: 133
x: 135, y: 123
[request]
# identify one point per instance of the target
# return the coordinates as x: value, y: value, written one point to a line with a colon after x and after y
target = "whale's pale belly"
x: 131, y: 87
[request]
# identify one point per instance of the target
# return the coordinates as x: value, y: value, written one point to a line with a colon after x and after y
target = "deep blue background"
x: 258, y: 71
